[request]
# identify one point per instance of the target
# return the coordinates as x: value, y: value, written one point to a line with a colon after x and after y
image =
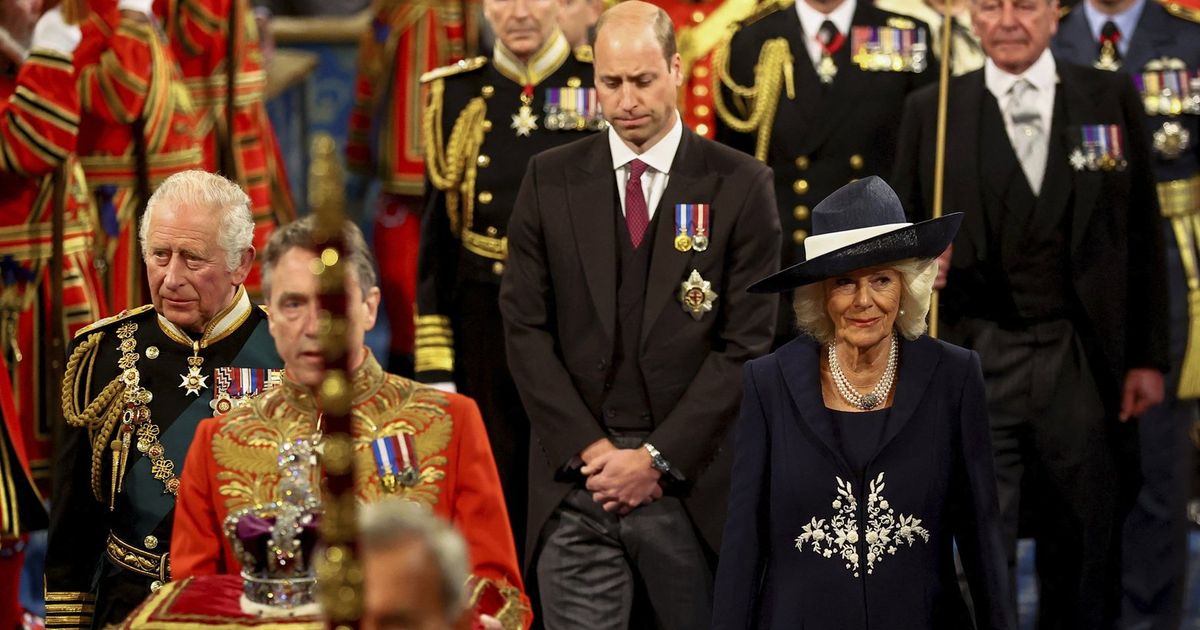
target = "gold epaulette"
x: 466, y: 65
x: 1192, y: 14
x: 584, y: 54
x: 101, y: 323
x: 901, y: 22
x: 765, y: 8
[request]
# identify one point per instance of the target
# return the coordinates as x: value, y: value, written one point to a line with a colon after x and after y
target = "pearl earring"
x: 901, y: 311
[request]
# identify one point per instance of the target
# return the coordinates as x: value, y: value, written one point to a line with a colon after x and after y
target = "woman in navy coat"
x: 862, y: 455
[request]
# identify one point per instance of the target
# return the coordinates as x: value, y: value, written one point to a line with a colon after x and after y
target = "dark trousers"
x: 593, y: 566
x: 1051, y: 437
x: 1155, y: 539
x: 483, y: 375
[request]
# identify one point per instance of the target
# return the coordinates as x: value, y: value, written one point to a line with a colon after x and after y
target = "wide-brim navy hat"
x: 861, y: 225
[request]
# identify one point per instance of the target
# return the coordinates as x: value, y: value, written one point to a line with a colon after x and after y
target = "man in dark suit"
x: 627, y: 322
x: 1152, y: 43
x: 811, y: 87
x: 1057, y: 280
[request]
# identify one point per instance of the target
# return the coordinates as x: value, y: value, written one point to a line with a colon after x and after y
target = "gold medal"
x: 827, y: 69
x: 683, y: 242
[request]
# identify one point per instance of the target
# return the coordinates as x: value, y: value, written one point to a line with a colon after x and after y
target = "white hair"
x: 916, y: 278
x: 201, y: 191
x: 393, y: 521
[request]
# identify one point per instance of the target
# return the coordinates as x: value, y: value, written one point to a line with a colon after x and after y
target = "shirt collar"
x: 1043, y: 74
x: 811, y: 19
x: 225, y: 322
x: 1126, y: 20
x: 542, y: 64
x: 658, y: 157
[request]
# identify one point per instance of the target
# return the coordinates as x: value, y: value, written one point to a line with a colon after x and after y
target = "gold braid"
x: 451, y: 165
x: 773, y: 72
x: 100, y: 416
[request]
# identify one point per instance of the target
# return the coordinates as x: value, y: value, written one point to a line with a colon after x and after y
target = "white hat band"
x: 821, y: 244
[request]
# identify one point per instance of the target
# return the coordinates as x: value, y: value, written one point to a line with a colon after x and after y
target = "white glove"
x: 141, y: 6
x: 53, y: 33
x: 446, y: 386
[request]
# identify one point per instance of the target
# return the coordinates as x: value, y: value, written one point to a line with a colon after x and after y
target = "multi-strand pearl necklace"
x: 876, y: 396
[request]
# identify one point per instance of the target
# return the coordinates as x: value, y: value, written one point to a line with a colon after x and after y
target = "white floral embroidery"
x: 885, y: 531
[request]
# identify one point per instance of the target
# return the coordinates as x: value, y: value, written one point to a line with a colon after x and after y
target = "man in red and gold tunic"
x: 39, y: 117
x: 411, y: 441
x: 406, y: 40
x: 199, y: 32
x: 702, y: 25
x: 136, y: 129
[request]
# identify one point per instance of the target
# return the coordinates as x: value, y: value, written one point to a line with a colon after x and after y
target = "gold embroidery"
x: 246, y: 445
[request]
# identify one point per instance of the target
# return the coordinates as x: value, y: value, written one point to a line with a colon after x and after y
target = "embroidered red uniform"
x: 232, y: 465
x: 129, y: 86
x: 39, y: 115
x: 199, y: 34
x: 406, y: 40
x: 701, y: 25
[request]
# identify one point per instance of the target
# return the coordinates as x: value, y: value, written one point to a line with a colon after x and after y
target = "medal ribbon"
x: 683, y: 219
x: 701, y: 214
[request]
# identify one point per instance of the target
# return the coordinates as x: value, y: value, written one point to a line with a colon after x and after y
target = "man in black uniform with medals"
x: 1158, y: 45
x: 486, y: 117
x: 812, y: 88
x: 136, y: 386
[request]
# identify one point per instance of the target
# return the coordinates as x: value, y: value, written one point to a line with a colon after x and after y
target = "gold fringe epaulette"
x: 1192, y: 14
x: 584, y: 54
x: 450, y: 162
x: 765, y: 8
x: 101, y: 323
x: 466, y: 65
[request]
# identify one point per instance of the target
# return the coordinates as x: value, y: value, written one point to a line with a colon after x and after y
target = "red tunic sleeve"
x: 115, y: 64
x: 39, y: 115
x: 478, y: 511
x: 197, y: 540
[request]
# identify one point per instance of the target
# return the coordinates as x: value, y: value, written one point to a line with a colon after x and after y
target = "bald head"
x: 633, y: 15
x: 637, y: 73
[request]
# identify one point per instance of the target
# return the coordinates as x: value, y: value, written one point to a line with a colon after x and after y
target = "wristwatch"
x: 657, y: 461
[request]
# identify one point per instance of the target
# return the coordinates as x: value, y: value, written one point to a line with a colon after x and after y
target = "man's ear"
x: 371, y: 303
x: 243, y: 269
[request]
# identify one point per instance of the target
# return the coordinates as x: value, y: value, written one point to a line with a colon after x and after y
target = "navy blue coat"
x: 785, y: 564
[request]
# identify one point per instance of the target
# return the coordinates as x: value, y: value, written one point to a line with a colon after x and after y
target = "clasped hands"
x: 620, y: 479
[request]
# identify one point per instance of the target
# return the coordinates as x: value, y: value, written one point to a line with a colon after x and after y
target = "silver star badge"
x: 524, y: 121
x: 696, y: 295
x: 1078, y: 162
x: 193, y: 381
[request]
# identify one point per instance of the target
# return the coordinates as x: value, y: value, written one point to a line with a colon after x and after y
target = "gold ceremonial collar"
x: 542, y: 64
x: 367, y: 380
x: 228, y: 320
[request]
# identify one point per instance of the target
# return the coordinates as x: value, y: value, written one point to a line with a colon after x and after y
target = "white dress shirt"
x: 1126, y: 22
x: 1043, y: 74
x: 657, y: 158
x: 811, y: 20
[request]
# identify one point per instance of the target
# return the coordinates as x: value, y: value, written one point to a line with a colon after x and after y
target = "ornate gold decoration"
x: 759, y: 102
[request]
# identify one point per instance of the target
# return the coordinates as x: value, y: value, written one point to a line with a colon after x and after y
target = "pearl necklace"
x: 876, y: 396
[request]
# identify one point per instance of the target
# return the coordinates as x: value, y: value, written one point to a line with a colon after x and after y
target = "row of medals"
x: 875, y: 61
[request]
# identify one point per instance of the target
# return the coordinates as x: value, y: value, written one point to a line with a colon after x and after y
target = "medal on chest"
x: 396, y: 461
x: 525, y: 121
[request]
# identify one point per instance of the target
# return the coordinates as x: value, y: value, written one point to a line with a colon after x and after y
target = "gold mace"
x: 939, y: 160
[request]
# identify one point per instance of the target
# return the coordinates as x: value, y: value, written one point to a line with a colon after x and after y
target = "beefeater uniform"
x: 136, y: 129
x: 410, y: 441
x: 407, y: 39
x: 198, y: 31
x: 39, y: 117
x: 701, y: 26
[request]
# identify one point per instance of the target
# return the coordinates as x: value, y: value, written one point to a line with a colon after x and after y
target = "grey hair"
x: 393, y: 521
x: 202, y: 191
x: 302, y: 234
x: 916, y: 276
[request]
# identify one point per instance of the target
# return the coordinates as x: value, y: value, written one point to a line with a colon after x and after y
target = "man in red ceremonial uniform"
x: 406, y: 40
x: 136, y: 129
x: 702, y: 25
x: 199, y: 32
x: 411, y: 441
x: 39, y: 115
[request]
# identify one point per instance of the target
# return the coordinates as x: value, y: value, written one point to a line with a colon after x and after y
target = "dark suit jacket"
x: 1116, y: 260
x: 558, y: 299
x: 789, y: 478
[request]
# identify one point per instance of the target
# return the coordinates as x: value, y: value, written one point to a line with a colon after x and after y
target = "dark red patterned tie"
x: 636, y: 216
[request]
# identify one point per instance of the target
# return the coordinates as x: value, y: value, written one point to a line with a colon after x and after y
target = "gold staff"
x: 939, y: 160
